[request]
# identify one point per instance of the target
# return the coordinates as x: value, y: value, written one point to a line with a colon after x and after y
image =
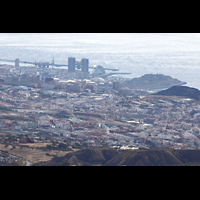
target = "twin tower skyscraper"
x: 83, y: 65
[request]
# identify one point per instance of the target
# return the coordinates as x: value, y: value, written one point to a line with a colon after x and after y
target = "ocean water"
x: 173, y: 54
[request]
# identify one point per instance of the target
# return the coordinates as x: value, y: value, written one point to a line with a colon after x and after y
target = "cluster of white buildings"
x: 103, y: 119
x: 91, y: 112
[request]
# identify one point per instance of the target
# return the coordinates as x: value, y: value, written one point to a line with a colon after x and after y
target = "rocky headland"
x: 152, y: 81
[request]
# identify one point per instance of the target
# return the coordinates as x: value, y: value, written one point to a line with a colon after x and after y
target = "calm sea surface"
x: 174, y: 54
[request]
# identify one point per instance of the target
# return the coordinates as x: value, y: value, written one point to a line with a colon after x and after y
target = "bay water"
x: 173, y: 54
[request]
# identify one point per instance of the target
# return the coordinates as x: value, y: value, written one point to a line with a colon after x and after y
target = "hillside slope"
x: 152, y: 81
x: 145, y: 158
x: 84, y: 157
x: 112, y: 157
x: 184, y: 91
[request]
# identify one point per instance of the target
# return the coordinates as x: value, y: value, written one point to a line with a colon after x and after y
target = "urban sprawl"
x: 75, y: 108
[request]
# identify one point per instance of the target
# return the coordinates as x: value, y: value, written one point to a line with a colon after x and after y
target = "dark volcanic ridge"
x: 140, y: 157
x: 182, y: 91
